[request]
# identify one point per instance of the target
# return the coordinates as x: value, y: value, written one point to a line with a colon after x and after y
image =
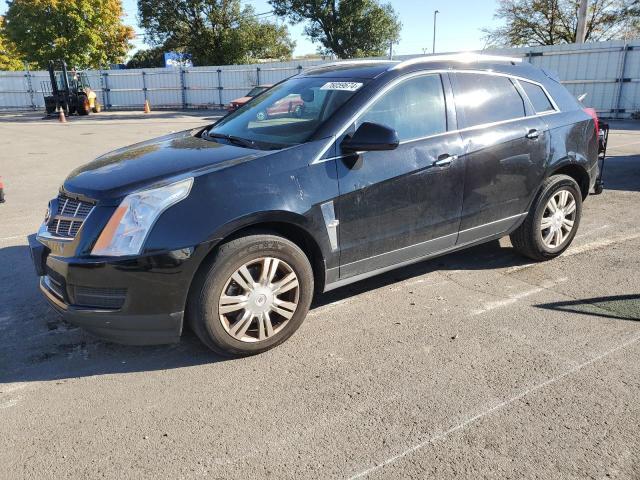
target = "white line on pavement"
x: 494, y: 408
x: 605, y: 242
x: 10, y: 403
x: 12, y: 387
x: 592, y: 231
x: 488, y: 306
x: 599, y: 244
x: 14, y: 237
x: 615, y: 147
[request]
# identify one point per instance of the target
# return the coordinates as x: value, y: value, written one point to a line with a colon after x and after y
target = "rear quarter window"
x: 538, y: 98
x: 483, y: 98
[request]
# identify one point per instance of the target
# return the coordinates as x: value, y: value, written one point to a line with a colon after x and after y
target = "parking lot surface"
x: 476, y: 364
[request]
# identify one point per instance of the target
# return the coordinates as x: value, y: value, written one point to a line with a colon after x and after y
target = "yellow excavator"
x: 68, y: 91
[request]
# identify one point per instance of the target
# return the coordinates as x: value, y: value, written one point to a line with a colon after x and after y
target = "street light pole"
x: 581, y: 28
x: 435, y: 13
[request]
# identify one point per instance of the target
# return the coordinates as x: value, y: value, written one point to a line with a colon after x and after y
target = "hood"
x: 122, y: 171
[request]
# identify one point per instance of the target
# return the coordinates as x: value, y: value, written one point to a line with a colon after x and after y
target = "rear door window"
x: 538, y: 98
x: 485, y: 98
x: 414, y: 108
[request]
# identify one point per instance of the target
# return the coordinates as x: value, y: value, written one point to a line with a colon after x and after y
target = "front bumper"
x: 136, y: 301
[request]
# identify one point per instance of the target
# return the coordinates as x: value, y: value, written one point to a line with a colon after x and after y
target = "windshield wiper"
x: 243, y: 142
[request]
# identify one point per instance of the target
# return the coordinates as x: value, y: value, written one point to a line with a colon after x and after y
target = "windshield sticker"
x: 346, y: 86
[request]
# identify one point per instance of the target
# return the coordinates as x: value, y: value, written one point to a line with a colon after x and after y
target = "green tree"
x: 347, y: 28
x: 149, y: 58
x: 9, y: 57
x: 214, y: 32
x: 549, y: 22
x: 85, y: 33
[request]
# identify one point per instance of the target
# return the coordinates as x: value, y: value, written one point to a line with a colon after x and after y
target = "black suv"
x: 234, y: 226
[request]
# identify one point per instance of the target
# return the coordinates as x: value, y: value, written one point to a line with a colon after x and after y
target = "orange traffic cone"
x: 147, y: 106
x: 1, y: 191
x: 61, y: 117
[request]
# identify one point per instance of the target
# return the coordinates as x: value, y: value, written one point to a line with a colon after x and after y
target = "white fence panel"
x: 609, y: 72
x: 14, y: 92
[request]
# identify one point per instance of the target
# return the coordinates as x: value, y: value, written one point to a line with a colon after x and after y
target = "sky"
x: 459, y: 24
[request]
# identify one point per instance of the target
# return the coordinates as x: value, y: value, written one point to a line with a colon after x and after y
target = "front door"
x: 399, y: 205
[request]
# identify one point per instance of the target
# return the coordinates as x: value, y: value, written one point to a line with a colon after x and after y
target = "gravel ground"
x: 476, y: 364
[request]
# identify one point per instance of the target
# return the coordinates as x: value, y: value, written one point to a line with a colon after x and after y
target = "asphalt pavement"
x: 479, y: 364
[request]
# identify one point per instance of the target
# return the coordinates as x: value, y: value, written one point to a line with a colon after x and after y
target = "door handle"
x: 445, y: 160
x: 533, y: 133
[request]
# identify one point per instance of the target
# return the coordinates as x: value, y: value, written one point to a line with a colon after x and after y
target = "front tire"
x: 84, y: 107
x: 251, y: 296
x: 553, y: 220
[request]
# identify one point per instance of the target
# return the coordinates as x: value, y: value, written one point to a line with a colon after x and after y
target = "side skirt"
x: 512, y: 222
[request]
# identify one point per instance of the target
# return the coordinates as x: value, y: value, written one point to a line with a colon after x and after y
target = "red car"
x: 238, y: 102
x: 291, y: 105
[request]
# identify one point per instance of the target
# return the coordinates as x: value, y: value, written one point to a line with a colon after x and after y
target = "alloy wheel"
x: 259, y: 299
x: 558, y: 218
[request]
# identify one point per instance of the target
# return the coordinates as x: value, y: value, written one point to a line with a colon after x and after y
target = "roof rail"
x: 347, y: 62
x: 465, y: 57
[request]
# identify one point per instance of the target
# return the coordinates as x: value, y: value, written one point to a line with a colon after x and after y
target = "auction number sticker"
x: 346, y: 86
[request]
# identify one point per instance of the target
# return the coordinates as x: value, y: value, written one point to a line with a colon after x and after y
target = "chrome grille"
x: 70, y: 207
x: 69, y: 217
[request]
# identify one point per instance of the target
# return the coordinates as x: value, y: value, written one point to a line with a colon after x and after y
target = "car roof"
x: 459, y: 61
x: 350, y: 69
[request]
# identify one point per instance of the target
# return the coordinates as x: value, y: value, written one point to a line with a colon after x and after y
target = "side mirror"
x: 371, y: 137
x: 307, y: 95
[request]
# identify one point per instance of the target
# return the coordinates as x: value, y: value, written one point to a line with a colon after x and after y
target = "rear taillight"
x: 591, y: 112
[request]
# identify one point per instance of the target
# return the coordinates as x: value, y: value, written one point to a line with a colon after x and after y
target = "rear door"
x: 506, y: 146
x: 398, y: 205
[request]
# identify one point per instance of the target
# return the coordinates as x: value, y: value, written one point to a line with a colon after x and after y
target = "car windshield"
x: 255, y: 91
x: 287, y: 114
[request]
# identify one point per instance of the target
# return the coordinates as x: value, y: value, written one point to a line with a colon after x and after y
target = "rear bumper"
x: 603, y: 140
x: 135, y: 301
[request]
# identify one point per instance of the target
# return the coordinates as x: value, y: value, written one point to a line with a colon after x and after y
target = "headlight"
x: 130, y: 224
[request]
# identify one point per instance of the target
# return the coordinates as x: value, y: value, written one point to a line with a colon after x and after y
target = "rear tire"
x: 552, y: 221
x: 234, y: 318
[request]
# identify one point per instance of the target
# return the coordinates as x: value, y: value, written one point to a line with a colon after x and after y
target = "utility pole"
x: 435, y: 14
x: 390, y: 49
x: 581, y: 29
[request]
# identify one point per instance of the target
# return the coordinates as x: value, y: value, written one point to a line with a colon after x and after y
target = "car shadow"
x: 620, y: 307
x: 487, y: 256
x: 622, y: 172
x: 37, y: 345
x: 623, y: 125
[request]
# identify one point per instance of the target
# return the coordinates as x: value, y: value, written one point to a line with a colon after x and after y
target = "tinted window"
x: 487, y: 98
x: 288, y: 113
x: 415, y: 108
x: 538, y: 98
x: 255, y: 91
